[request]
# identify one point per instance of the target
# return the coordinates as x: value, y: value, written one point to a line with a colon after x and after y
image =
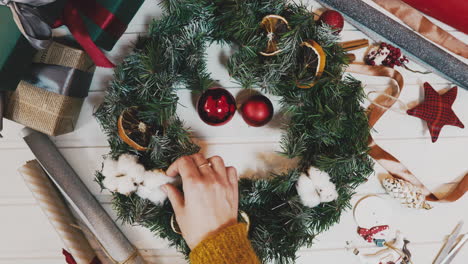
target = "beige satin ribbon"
x: 385, y: 159
x: 418, y: 22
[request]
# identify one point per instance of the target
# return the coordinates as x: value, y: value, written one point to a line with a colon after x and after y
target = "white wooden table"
x: 26, y: 236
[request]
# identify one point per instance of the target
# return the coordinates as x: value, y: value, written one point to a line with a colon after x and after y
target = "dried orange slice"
x: 275, y: 26
x: 314, y: 60
x: 136, y: 133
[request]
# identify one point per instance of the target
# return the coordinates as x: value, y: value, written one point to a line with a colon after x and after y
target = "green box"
x: 16, y: 53
x: 125, y: 10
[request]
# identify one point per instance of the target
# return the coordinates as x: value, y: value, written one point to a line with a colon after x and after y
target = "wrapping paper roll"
x: 382, y: 28
x: 59, y: 215
x: 87, y: 207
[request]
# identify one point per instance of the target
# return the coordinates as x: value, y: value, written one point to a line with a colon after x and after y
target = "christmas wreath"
x: 327, y: 126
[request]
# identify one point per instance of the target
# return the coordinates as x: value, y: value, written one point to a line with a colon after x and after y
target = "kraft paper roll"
x: 50, y: 201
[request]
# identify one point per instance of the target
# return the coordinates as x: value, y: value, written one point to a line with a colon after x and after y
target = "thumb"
x: 175, y: 197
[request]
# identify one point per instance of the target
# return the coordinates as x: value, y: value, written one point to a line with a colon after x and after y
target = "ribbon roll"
x: 30, y: 22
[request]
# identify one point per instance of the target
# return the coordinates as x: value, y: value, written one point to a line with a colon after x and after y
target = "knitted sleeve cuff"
x: 228, y: 246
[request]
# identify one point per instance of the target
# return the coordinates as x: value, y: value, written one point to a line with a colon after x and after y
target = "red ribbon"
x: 107, y: 21
x: 368, y: 234
x: 70, y: 260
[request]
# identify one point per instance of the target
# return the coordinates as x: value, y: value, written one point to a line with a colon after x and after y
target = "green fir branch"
x: 328, y: 128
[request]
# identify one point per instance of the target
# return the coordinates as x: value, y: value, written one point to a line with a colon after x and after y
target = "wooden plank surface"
x: 27, y: 237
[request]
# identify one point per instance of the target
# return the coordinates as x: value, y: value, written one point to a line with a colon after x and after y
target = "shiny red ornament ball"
x: 257, y: 110
x: 216, y: 106
x: 333, y: 19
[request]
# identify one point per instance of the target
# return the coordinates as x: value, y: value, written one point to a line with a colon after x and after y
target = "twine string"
x: 400, y: 252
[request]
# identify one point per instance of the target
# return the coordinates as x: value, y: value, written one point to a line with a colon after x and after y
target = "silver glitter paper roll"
x: 382, y: 28
x: 74, y: 190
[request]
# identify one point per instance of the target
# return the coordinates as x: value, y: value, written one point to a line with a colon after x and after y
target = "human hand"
x: 210, y: 200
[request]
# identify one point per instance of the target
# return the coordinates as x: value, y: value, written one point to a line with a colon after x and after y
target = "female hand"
x: 210, y: 199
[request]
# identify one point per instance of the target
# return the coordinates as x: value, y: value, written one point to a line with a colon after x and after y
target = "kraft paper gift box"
x: 50, y: 99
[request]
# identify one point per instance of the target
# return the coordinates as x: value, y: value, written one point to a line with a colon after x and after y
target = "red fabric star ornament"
x: 436, y: 110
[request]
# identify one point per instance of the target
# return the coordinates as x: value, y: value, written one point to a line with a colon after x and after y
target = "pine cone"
x: 409, y: 195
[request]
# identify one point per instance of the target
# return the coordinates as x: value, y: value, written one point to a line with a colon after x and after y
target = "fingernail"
x: 164, y: 189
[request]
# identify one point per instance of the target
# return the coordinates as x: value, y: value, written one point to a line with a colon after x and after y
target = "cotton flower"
x: 150, y: 187
x: 306, y: 190
x: 316, y: 188
x: 123, y: 176
x: 325, y: 188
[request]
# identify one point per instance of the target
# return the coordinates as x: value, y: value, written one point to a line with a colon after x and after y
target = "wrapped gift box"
x: 52, y: 112
x: 15, y: 52
x: 123, y: 10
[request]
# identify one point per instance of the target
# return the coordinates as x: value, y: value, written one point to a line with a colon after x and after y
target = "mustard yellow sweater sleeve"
x: 228, y: 246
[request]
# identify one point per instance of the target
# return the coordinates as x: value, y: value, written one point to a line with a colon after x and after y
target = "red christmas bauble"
x: 216, y: 106
x: 257, y: 110
x: 333, y: 19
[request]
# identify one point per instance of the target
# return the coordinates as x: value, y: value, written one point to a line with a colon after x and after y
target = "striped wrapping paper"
x: 59, y: 215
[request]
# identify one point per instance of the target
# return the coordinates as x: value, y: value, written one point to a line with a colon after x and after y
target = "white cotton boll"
x: 307, y: 191
x: 156, y: 196
x: 109, y: 167
x: 327, y: 192
x: 109, y: 171
x: 126, y: 186
x: 317, y: 176
x: 128, y: 165
x: 124, y: 175
x: 127, y: 159
x: 325, y: 188
x: 110, y: 183
x: 121, y: 184
x: 150, y: 188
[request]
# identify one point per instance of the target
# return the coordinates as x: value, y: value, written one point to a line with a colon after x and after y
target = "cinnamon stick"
x: 355, y: 44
